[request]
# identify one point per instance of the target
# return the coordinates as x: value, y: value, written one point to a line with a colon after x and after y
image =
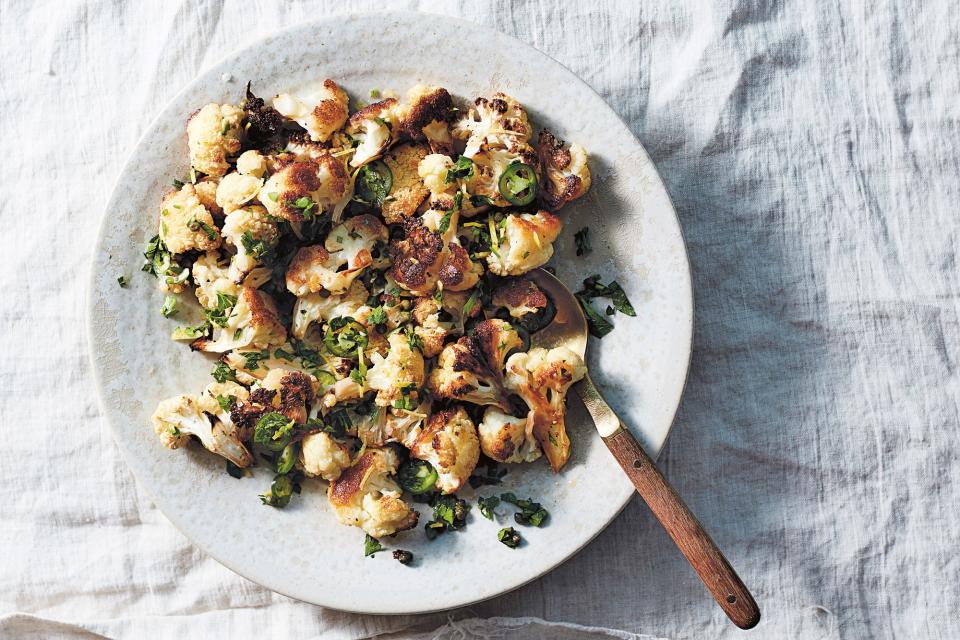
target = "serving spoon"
x: 569, y: 329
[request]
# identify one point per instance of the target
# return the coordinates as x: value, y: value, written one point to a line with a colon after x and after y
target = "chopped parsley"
x: 258, y: 249
x: 592, y: 288
x: 123, y: 281
x: 226, y: 402
x: 487, y: 505
x: 461, y: 170
x: 252, y: 359
x: 178, y: 184
x: 444, y: 225
x: 531, y: 513
x: 371, y: 545
x: 413, y: 339
x: 377, y: 317
x: 221, y: 312
x: 510, y: 537
x: 169, y: 308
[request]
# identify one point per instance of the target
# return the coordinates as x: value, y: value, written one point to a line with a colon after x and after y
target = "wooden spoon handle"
x: 686, y: 531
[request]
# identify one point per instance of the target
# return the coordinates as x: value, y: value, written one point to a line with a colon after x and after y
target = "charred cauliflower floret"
x: 373, y: 128
x: 251, y: 322
x: 251, y: 231
x: 321, y: 110
x: 524, y: 243
x: 498, y: 122
x: 542, y: 377
x: 236, y: 189
x: 395, y: 425
x: 177, y: 418
x: 185, y: 224
x: 304, y: 189
x: 323, y: 457
x: 219, y: 398
x: 408, y: 191
x: 287, y: 392
x: 432, y: 331
x: 428, y: 111
x: 213, y: 136
x: 520, y: 297
x: 471, y: 369
x: 416, y: 257
x: 449, y: 442
x: 347, y: 251
x: 211, y: 275
x: 505, y: 438
x: 366, y: 496
x: 315, y: 307
x: 566, y: 175
x: 252, y: 163
x: 397, y: 376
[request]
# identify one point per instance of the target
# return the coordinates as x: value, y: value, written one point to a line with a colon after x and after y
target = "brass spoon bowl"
x: 569, y: 329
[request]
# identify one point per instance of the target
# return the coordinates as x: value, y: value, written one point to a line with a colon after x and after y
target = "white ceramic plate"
x: 641, y: 367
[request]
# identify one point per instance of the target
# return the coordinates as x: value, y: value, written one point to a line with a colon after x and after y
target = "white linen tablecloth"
x: 812, y: 153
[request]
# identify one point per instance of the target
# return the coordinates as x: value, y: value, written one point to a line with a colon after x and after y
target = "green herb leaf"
x: 252, y: 359
x: 592, y: 288
x: 510, y: 537
x: 274, y: 431
x: 531, y: 513
x: 169, y: 308
x: 377, y: 317
x: 273, y: 195
x: 371, y: 545
x: 598, y: 325
x: 487, y: 505
x: 413, y: 339
x: 226, y: 402
x: 374, y: 182
x: 222, y: 372
x: 461, y: 170
x: 178, y: 184
x: 444, y: 225
x: 122, y: 281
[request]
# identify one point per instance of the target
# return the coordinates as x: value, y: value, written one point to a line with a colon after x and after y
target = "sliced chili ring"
x: 344, y: 335
x: 518, y: 184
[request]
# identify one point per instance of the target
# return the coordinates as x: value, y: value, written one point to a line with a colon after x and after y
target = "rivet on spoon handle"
x: 687, y: 532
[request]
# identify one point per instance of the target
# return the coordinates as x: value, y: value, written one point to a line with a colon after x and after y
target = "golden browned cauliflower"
x: 433, y: 171
x: 432, y: 331
x: 252, y: 163
x: 320, y: 109
x: 505, y: 438
x: 566, y: 174
x: 471, y: 369
x: 185, y: 224
x: 366, y: 496
x: 520, y: 297
x: 213, y: 136
x: 408, y: 191
x: 497, y: 122
x: 525, y: 242
x: 374, y: 128
x: 321, y: 267
x: 210, y: 275
x: 542, y: 377
x: 315, y: 307
x: 236, y: 189
x: 449, y: 442
x: 489, y: 163
x: 304, y: 189
x: 397, y: 376
x: 251, y: 322
x: 288, y: 392
x: 252, y: 233
x: 323, y: 457
x: 176, y: 419
x: 428, y: 111
x: 206, y: 190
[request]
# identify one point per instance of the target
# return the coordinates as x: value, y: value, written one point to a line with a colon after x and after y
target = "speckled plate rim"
x: 653, y: 445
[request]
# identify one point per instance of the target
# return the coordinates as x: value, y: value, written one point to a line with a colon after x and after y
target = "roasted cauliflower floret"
x: 210, y: 275
x: 498, y: 122
x: 347, y: 251
x: 251, y: 322
x: 321, y: 110
x: 323, y: 457
x: 433, y: 171
x: 542, y: 377
x: 252, y: 163
x: 315, y: 307
x: 416, y: 257
x: 206, y: 190
x: 177, y: 418
x: 366, y: 496
x: 373, y: 127
x: 229, y: 393
x: 185, y: 224
x: 428, y: 111
x: 287, y: 392
x: 520, y: 297
x: 251, y: 231
x: 566, y: 174
x: 432, y: 331
x: 524, y: 243
x: 449, y: 442
x: 505, y: 438
x: 236, y: 189
x: 471, y: 369
x: 213, y: 136
x: 408, y: 191
x: 304, y: 189
x: 397, y: 376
